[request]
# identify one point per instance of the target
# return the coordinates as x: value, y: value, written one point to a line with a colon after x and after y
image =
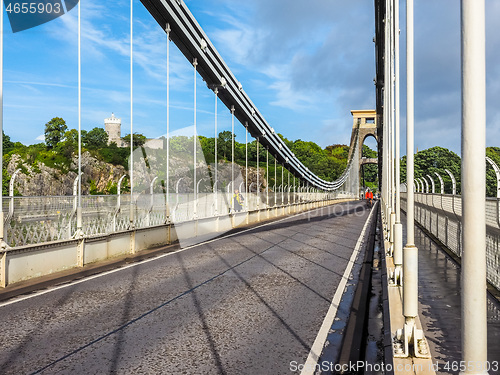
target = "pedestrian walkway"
x: 440, y: 307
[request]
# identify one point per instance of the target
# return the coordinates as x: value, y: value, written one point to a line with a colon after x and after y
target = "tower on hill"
x: 112, y: 126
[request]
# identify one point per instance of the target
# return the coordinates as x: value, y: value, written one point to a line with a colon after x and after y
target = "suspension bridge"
x: 303, y: 277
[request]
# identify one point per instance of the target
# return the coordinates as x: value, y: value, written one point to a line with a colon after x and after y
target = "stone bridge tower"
x: 366, y: 122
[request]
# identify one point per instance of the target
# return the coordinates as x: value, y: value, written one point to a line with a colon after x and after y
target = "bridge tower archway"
x: 364, y: 126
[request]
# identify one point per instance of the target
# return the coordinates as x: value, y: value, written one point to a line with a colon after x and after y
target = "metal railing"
x: 34, y: 220
x: 441, y: 215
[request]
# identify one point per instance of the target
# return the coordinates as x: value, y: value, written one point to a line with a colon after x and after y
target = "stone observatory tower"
x: 112, y: 126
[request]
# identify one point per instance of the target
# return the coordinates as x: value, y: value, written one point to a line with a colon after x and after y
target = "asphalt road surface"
x: 250, y: 303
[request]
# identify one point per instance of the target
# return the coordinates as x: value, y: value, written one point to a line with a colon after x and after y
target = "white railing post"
x: 294, y: 194
x: 398, y: 226
x: 497, y: 173
x: 151, y: 201
x: 267, y: 178
x: 11, y: 193
x: 195, y: 143
x: 197, y: 194
x: 246, y: 165
x: 453, y: 182
x: 229, y: 197
x: 441, y: 182
x: 75, y: 207
x: 426, y: 185
x: 250, y: 193
x: 174, y: 215
x: 118, y: 202
x: 288, y: 195
x: 216, y: 91
x: 131, y: 159
x: 258, y: 174
x: 432, y: 184
x: 232, y: 144
x: 409, y: 332
x: 3, y: 245
x: 474, y: 309
x: 167, y: 183
x: 215, y: 197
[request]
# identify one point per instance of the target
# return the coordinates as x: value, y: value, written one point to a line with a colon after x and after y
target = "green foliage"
x: 54, y: 159
x: 329, y: 163
x: 208, y: 148
x: 5, y: 182
x: 69, y: 145
x: 54, y: 131
x: 34, y: 155
x: 224, y: 144
x: 7, y: 144
x: 181, y: 145
x: 97, y: 138
x: 252, y: 152
x: 435, y: 159
x: 93, y: 188
x: 370, y: 171
x: 114, y: 155
x: 111, y: 188
x: 139, y: 139
x: 367, y: 152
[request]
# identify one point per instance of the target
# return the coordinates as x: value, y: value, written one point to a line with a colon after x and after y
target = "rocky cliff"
x: 101, y: 177
x: 39, y: 179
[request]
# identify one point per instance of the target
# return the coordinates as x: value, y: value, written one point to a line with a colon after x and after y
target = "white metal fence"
x: 441, y: 215
x: 34, y: 220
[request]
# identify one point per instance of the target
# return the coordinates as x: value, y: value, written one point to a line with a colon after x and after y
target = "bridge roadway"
x: 249, y: 303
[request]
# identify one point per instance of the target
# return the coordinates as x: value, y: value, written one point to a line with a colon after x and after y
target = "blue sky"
x: 304, y: 64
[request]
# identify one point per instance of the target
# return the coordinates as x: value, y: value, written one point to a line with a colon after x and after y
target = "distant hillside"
x: 50, y: 168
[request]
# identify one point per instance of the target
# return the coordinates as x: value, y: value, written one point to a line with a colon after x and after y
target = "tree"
x: 252, y: 152
x: 370, y: 171
x: 435, y: 159
x: 96, y: 138
x: 8, y: 145
x: 181, y: 145
x: 54, y: 131
x: 115, y: 155
x: 139, y: 139
x: 208, y: 148
x: 338, y: 151
x: 69, y: 145
x: 224, y: 144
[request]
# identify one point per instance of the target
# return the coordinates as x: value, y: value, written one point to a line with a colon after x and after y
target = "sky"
x: 305, y: 64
